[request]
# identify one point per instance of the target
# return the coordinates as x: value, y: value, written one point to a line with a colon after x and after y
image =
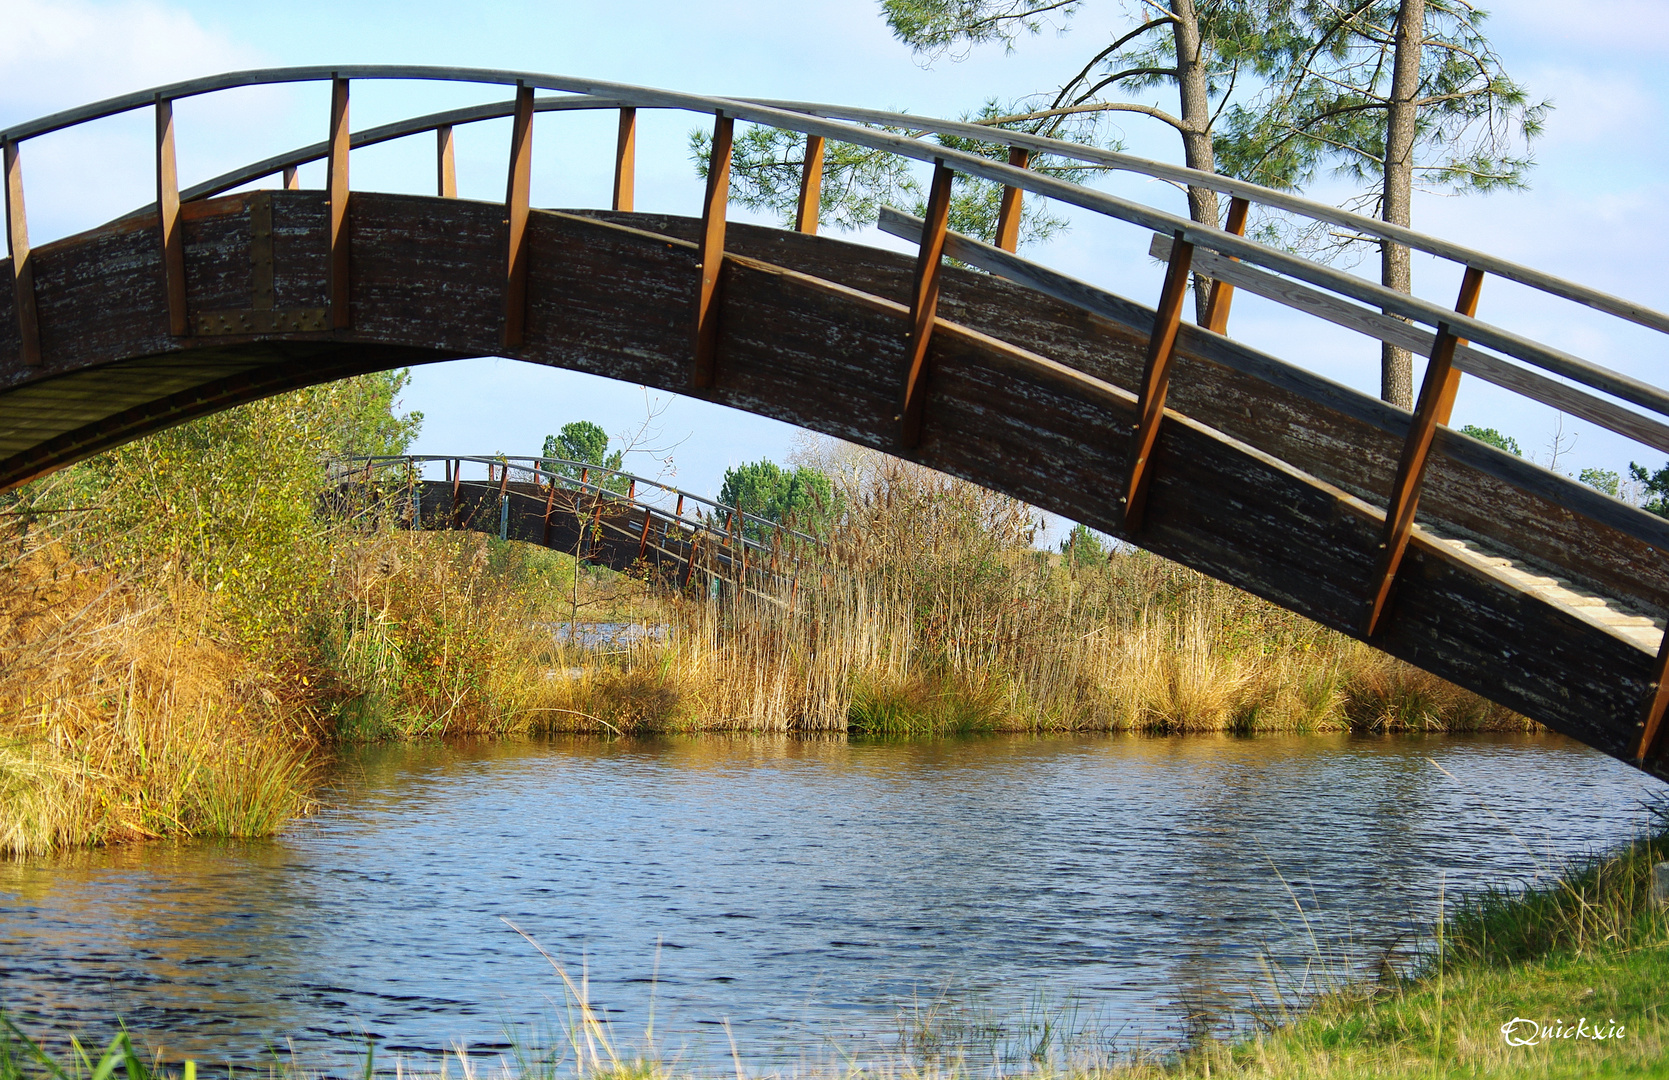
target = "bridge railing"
x: 723, y: 529
x: 1455, y: 340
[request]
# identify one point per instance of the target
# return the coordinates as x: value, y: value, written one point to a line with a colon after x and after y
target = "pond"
x: 802, y: 898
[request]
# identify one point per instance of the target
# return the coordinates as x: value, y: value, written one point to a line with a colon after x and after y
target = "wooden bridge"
x: 676, y: 539
x: 1521, y: 584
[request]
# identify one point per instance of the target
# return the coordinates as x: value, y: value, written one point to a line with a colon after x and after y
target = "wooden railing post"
x: 1653, y: 731
x: 168, y: 217
x: 23, y: 266
x: 1437, y: 401
x: 625, y: 160
x: 550, y: 504
x: 1222, y: 293
x: 924, y: 305
x: 810, y: 207
x: 1008, y: 214
x: 1156, y: 380
x: 518, y: 192
x: 446, y: 163
x: 292, y: 178
x: 336, y: 185
x: 713, y: 210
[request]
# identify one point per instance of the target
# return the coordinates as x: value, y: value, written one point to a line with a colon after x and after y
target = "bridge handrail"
x: 804, y: 117
x: 538, y: 471
x: 1453, y: 328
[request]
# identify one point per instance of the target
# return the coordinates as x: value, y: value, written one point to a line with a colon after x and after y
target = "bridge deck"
x: 1263, y: 475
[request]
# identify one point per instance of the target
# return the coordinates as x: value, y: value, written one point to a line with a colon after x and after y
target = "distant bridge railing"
x: 1455, y: 340
x: 578, y: 507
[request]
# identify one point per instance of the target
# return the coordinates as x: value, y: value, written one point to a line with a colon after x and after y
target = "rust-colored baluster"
x: 292, y: 178
x: 1653, y: 731
x: 1156, y: 380
x: 337, y: 187
x: 1008, y: 214
x: 23, y: 266
x: 446, y: 163
x: 457, y: 480
x: 168, y: 217
x: 1437, y: 401
x: 1222, y: 293
x: 550, y: 504
x: 713, y: 210
x: 810, y: 206
x: 518, y: 192
x: 625, y: 160
x: 924, y: 305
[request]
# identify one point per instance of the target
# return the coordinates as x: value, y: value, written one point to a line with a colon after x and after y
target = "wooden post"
x: 713, y: 210
x: 168, y: 216
x: 446, y: 163
x: 1437, y: 400
x: 1156, y: 379
x: 336, y: 185
x: 625, y: 161
x: 1652, y: 728
x: 1222, y: 293
x: 810, y: 207
x: 457, y: 468
x: 924, y: 304
x: 550, y: 504
x: 23, y: 266
x: 518, y: 191
x: 1008, y: 215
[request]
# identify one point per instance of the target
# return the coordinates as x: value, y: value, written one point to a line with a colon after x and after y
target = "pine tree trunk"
x: 1396, y: 366
x: 1196, y: 123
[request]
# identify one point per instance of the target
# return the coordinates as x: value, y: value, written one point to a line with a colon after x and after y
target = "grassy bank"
x: 1586, y: 953
x: 1585, y: 956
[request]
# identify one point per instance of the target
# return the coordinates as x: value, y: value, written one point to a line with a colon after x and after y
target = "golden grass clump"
x: 122, y: 717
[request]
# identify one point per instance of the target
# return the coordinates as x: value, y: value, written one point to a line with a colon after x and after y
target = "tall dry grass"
x: 122, y: 717
x: 933, y: 613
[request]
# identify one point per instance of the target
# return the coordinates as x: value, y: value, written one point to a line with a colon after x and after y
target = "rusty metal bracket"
x: 263, y: 316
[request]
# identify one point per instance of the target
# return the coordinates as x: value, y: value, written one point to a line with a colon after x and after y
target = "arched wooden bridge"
x: 604, y: 516
x: 1476, y: 565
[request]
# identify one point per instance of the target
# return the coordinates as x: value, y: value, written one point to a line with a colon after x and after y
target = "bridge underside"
x: 1264, y: 476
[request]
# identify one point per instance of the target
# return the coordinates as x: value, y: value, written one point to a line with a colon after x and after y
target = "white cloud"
x: 55, y: 54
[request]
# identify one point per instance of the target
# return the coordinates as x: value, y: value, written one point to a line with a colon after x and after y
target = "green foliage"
x: 765, y: 489
x: 1602, y: 480
x: 1327, y: 71
x: 584, y: 442
x: 230, y: 501
x: 1493, y: 438
x: 1083, y: 547
x: 1654, y: 488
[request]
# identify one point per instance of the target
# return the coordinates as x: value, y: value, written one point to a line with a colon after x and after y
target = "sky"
x: 1596, y: 209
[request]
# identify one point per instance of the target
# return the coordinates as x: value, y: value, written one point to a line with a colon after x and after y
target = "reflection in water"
x: 802, y: 890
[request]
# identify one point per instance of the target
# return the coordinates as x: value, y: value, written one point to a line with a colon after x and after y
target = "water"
x: 805, y: 892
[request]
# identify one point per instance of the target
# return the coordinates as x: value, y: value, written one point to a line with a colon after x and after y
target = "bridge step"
x: 1610, y: 615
